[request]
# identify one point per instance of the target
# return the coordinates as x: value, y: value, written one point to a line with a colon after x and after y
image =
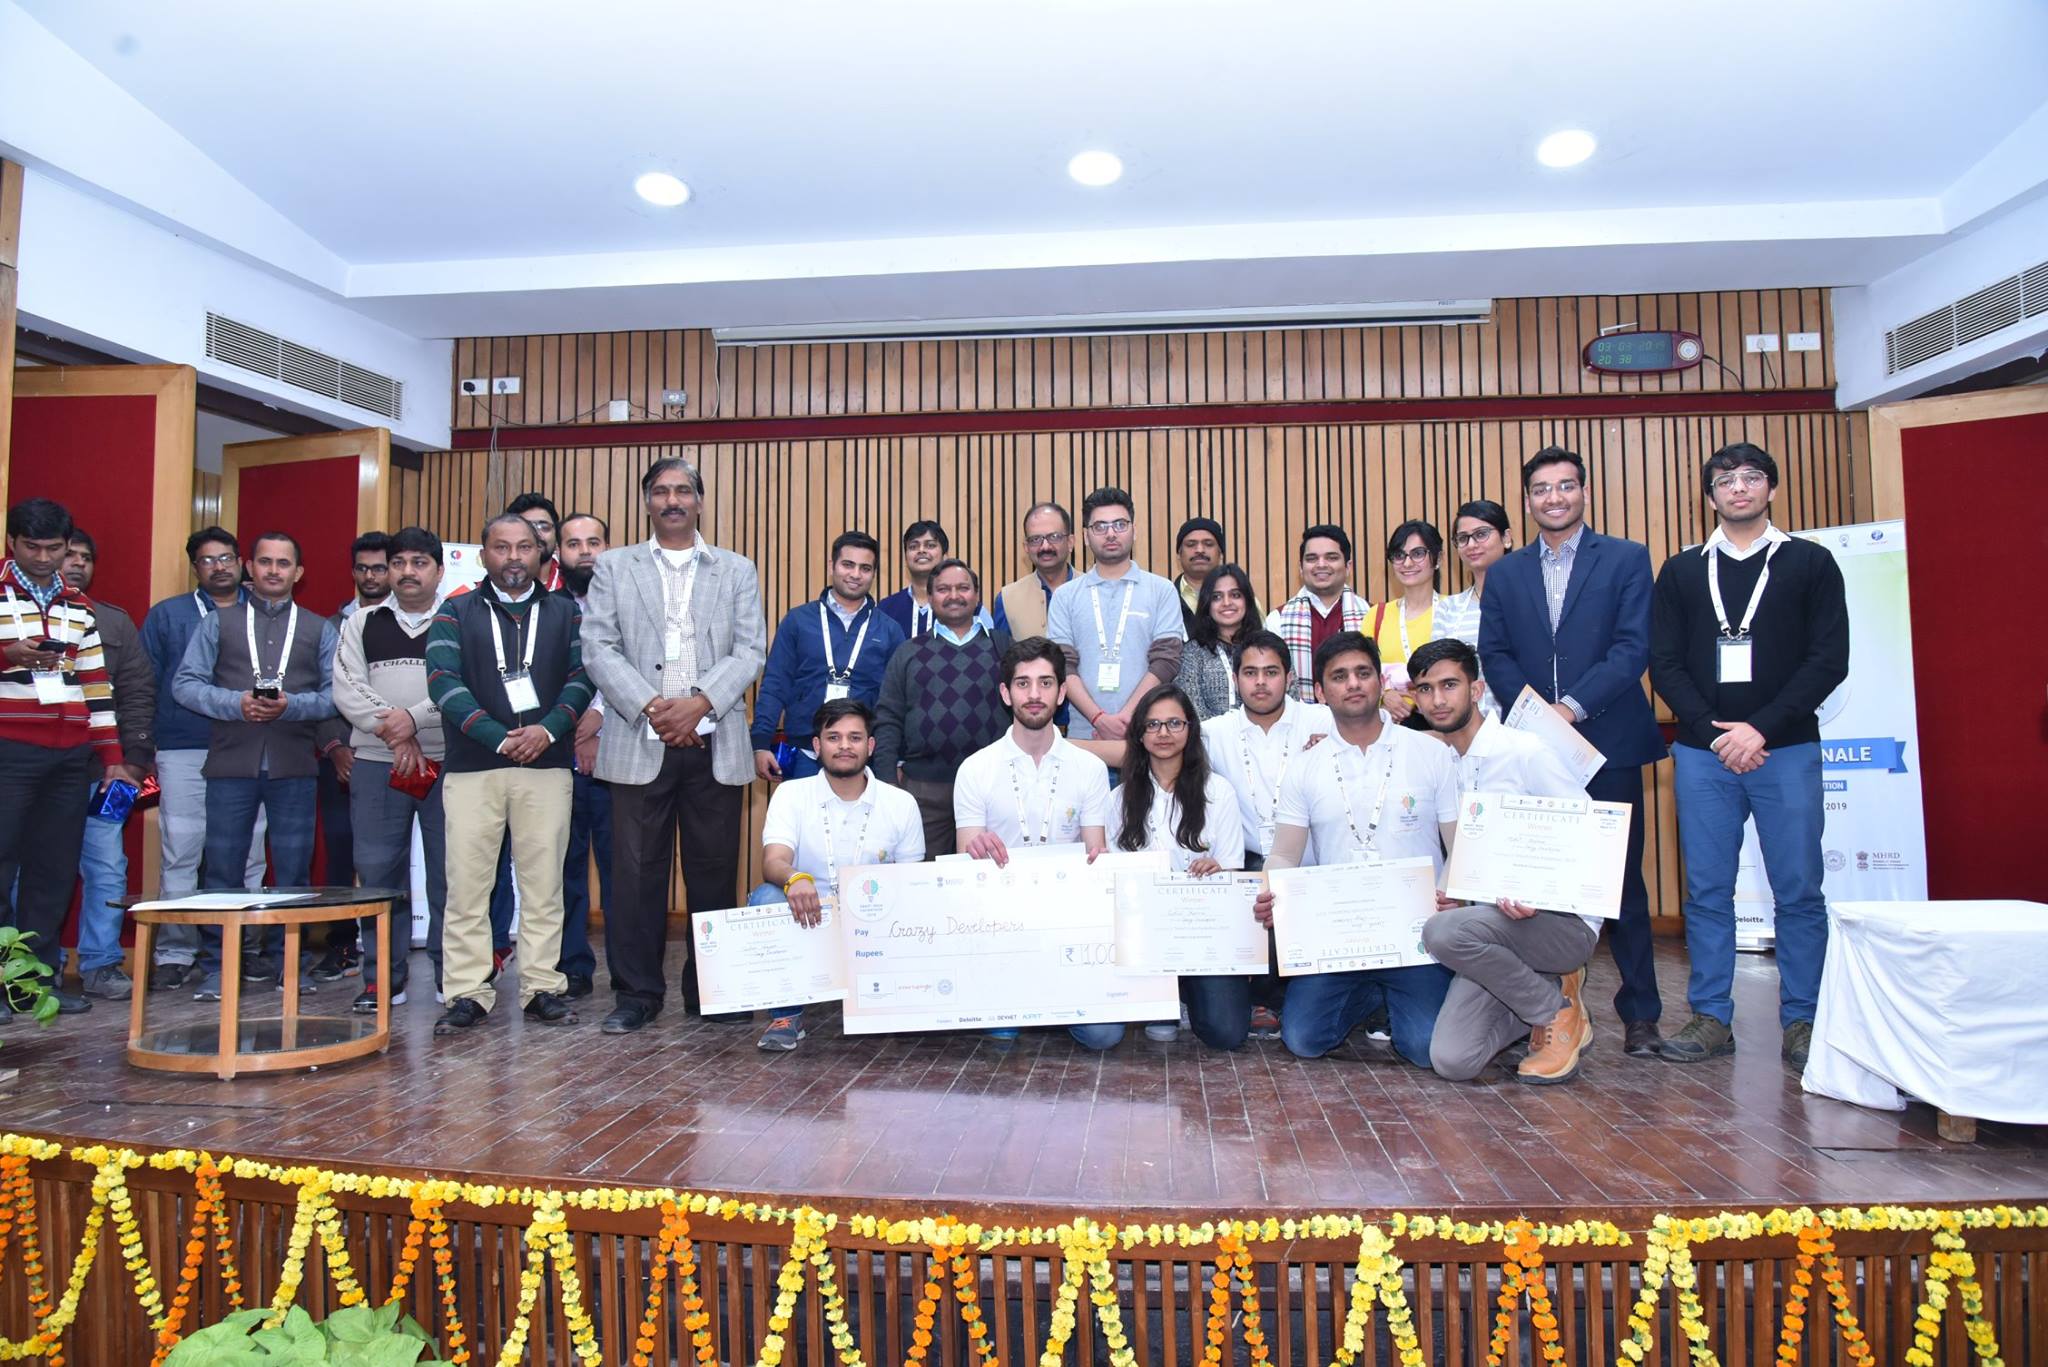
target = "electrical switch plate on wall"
x: 1760, y: 341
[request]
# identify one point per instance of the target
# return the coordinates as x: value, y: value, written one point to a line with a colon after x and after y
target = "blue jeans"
x: 1323, y: 1008
x: 103, y: 870
x: 1785, y: 798
x: 1219, y: 1008
x: 382, y: 818
x: 590, y: 824
x: 291, y: 807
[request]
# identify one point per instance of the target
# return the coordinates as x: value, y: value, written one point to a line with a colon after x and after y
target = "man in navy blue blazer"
x: 1569, y: 615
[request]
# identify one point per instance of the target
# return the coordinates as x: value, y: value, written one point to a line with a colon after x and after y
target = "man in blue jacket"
x: 835, y: 646
x: 1569, y: 615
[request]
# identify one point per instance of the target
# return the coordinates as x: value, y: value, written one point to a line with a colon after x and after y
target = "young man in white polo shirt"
x: 1372, y: 791
x: 838, y: 818
x: 1033, y: 786
x: 1252, y: 746
x: 1519, y: 969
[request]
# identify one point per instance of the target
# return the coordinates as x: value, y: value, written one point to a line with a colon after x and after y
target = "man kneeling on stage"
x: 1518, y: 969
x: 839, y: 818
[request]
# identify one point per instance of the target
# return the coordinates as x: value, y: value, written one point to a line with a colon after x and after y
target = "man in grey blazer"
x: 673, y: 635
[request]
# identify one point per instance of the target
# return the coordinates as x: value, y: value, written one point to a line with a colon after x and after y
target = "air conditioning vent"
x: 1922, y: 339
x: 1989, y: 310
x: 303, y: 367
x: 2034, y: 292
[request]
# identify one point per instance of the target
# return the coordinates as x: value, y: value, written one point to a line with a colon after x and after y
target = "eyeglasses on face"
x: 1414, y: 555
x: 1111, y: 526
x: 1745, y: 479
x: 210, y: 562
x: 1567, y: 487
x: 1046, y: 539
x: 1464, y: 539
x: 1171, y: 726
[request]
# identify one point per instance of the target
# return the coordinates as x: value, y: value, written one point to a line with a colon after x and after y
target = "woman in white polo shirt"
x: 1170, y: 800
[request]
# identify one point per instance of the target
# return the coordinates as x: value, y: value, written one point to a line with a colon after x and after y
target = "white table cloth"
x: 1946, y: 1002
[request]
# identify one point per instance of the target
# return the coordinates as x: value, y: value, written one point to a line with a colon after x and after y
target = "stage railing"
x: 516, y: 1272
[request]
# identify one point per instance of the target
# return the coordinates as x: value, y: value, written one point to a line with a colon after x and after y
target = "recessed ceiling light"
x: 1566, y: 148
x: 1096, y: 168
x: 659, y: 187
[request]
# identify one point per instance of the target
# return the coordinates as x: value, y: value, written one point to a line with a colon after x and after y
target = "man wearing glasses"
x: 1748, y: 636
x: 1569, y: 615
x: 1022, y: 605
x: 1119, y: 626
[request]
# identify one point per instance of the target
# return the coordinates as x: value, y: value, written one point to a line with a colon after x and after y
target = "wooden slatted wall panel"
x: 780, y: 503
x: 1531, y: 347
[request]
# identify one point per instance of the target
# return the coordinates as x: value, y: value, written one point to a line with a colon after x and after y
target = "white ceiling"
x: 468, y: 163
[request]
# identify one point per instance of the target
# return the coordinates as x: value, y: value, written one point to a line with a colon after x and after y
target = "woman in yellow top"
x: 1406, y: 620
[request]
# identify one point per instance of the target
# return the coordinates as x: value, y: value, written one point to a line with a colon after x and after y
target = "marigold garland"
x: 1086, y: 1248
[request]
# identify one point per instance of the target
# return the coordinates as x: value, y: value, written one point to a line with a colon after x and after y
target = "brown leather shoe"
x: 1554, y: 1049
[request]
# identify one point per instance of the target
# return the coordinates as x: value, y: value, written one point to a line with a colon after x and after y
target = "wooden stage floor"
x: 884, y: 1119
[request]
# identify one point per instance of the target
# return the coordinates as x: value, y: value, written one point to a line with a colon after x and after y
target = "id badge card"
x: 672, y: 645
x: 519, y: 692
x: 1107, y: 672
x: 1732, y: 660
x: 50, y: 688
x: 836, y: 691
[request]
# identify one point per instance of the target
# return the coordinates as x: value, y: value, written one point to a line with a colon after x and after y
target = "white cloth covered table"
x: 1946, y: 1002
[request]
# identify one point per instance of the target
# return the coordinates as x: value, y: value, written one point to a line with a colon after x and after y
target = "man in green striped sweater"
x: 505, y: 666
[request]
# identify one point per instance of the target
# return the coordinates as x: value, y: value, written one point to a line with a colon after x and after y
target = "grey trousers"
x: 181, y: 833
x: 1507, y: 981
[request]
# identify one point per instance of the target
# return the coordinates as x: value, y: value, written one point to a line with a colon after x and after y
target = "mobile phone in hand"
x: 268, y: 692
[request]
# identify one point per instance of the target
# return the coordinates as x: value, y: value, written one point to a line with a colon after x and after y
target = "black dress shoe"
x: 626, y: 1018
x: 462, y: 1014
x: 549, y: 1009
x: 1643, y: 1040
x: 726, y: 1017
x: 579, y: 985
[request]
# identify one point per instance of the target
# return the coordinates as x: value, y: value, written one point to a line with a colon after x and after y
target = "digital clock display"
x: 1637, y: 353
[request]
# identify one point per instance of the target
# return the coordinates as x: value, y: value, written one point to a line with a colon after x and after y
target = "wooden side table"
x: 266, y: 1044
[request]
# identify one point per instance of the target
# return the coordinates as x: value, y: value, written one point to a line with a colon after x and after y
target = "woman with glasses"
x: 1170, y: 800
x: 1224, y: 611
x: 1481, y: 537
x: 1408, y: 618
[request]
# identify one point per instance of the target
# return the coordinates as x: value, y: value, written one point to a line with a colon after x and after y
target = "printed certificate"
x: 1338, y: 917
x: 948, y: 946
x: 1556, y: 853
x: 759, y: 958
x: 1174, y: 923
x: 1530, y: 713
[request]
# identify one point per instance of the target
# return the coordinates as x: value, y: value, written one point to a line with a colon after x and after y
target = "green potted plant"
x: 356, y: 1336
x: 24, y: 982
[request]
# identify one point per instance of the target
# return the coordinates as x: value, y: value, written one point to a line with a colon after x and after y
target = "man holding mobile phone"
x: 56, y: 722
x: 262, y: 670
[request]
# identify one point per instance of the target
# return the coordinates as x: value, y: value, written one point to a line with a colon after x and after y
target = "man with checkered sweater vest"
x: 941, y: 701
x: 56, y: 722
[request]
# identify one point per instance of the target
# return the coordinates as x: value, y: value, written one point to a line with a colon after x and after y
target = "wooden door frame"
x: 1888, y: 423
x: 176, y: 391
x: 371, y: 446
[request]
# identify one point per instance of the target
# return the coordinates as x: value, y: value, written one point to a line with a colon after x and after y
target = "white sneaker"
x: 1163, y: 1033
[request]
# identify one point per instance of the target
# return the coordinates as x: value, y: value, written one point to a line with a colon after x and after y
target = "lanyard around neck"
x: 291, y: 631
x: 1112, y: 650
x: 1369, y: 841
x: 1756, y: 595
x: 532, y: 629
x: 832, y: 670
x: 1048, y: 774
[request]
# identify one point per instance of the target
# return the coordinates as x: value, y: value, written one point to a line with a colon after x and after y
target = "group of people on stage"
x: 585, y: 695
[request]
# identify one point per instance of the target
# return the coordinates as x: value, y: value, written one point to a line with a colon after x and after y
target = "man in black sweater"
x: 1749, y: 634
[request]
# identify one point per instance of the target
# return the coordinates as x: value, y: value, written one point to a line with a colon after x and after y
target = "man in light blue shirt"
x: 1119, y: 626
